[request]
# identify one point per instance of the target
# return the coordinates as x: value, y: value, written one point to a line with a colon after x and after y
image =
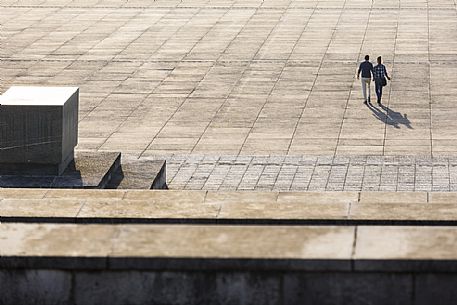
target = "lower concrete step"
x: 88, y: 170
x: 97, y: 170
x: 180, y: 264
x: 140, y: 174
x: 208, y: 207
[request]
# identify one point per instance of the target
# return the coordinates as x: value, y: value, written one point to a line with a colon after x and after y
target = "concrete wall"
x: 224, y: 287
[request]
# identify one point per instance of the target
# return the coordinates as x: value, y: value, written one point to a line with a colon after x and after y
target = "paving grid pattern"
x: 308, y: 173
x: 241, y: 77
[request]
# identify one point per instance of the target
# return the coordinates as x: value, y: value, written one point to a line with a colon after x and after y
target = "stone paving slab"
x: 209, y: 207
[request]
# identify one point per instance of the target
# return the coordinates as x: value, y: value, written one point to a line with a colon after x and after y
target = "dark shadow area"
x: 389, y: 116
x: 70, y: 178
x: 228, y: 221
x: 39, y: 176
x: 116, y: 179
x: 23, y: 181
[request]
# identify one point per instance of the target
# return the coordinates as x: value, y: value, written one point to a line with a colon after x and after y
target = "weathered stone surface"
x: 12, y: 193
x: 219, y: 207
x: 403, y: 211
x: 53, y: 208
x: 241, y: 197
x: 377, y: 249
x: 97, y: 210
x: 54, y: 246
x: 393, y: 197
x: 89, y: 170
x: 140, y: 174
x: 439, y: 197
x: 406, y: 248
x: 81, y: 194
x: 202, y: 247
x: 39, y: 129
x: 317, y: 197
x: 284, y: 211
x: 218, y: 242
x: 195, y: 197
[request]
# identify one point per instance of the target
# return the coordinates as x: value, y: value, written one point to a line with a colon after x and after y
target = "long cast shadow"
x: 390, y: 117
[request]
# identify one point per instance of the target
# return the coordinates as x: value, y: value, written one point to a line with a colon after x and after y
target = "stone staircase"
x: 65, y: 246
x: 94, y: 170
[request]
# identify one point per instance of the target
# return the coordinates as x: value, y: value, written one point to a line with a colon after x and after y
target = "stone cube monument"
x: 38, y: 129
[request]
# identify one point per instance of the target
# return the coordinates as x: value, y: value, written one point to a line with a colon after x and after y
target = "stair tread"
x: 229, y: 207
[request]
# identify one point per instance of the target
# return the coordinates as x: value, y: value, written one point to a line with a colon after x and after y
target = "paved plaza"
x: 246, y: 79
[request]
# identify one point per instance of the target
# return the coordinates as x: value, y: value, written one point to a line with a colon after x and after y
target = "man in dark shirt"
x: 366, y: 68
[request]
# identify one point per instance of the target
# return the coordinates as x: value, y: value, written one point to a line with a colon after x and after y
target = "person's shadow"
x: 390, y: 116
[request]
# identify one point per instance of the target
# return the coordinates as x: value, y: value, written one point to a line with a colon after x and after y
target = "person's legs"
x: 380, y: 91
x: 364, y: 89
x: 378, y: 88
x: 366, y: 83
x: 369, y: 88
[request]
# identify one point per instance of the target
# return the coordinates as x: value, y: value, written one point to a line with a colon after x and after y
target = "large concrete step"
x: 139, y: 174
x: 97, y: 170
x: 190, y: 264
x: 88, y: 170
x: 147, y: 206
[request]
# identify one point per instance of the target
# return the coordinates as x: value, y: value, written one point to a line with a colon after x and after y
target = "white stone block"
x: 38, y: 128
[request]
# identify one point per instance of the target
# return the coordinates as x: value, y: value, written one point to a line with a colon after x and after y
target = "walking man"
x: 366, y: 68
x: 379, y: 78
